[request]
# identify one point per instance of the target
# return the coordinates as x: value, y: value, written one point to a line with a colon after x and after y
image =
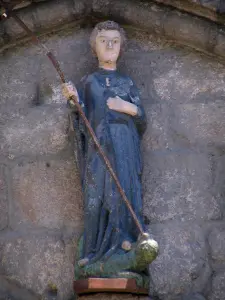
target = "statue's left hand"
x: 120, y: 105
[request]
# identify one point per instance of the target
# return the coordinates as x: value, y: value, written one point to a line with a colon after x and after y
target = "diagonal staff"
x: 73, y: 102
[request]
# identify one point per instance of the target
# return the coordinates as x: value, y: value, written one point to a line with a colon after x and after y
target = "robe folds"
x: 107, y: 221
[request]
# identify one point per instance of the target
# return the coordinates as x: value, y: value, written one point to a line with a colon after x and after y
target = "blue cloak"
x: 107, y: 220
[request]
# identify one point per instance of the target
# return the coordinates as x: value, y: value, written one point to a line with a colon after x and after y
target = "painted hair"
x: 107, y: 25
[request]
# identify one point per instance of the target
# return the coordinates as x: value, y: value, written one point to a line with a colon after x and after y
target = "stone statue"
x: 111, y: 243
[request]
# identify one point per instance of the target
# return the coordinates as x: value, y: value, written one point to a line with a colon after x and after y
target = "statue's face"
x: 107, y: 45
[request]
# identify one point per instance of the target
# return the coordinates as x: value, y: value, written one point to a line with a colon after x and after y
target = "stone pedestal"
x: 113, y: 296
x: 111, y: 285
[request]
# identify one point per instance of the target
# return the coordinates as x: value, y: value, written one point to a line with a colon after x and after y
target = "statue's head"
x: 106, y: 41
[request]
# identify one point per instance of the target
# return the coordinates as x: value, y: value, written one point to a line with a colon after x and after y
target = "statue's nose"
x: 110, y: 45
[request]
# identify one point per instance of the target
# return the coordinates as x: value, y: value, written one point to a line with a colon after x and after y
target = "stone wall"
x: 185, y: 22
x: 210, y: 9
x: 41, y: 206
x: 184, y: 161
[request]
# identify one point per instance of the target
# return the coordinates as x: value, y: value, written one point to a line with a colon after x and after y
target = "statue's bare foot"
x: 126, y: 245
x: 83, y: 262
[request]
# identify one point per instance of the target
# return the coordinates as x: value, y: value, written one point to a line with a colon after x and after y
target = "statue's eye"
x: 116, y: 41
x: 103, y: 40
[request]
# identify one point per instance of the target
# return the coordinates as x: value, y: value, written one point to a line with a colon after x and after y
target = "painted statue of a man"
x: 112, y: 105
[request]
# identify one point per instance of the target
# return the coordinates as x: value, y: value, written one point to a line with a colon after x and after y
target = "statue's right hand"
x: 69, y: 90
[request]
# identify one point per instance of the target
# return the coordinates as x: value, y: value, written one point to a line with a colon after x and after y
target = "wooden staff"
x: 73, y: 101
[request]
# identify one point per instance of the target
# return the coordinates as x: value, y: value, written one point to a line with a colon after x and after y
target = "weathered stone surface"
x: 197, y: 6
x: 39, y: 262
x: 22, y: 4
x: 140, y: 41
x: 13, y: 30
x: 82, y: 7
x: 213, y: 4
x: 187, y: 78
x: 217, y: 244
x: 220, y: 46
x: 193, y: 296
x: 188, y: 30
x: 218, y: 287
x: 138, y: 13
x: 208, y: 9
x: 47, y: 194
x: 19, y: 77
x: 185, y: 108
x: 162, y: 128
x: 182, y: 264
x: 2, y: 34
x: 44, y: 16
x: 180, y: 185
x: 189, y: 126
x: 3, y: 199
x: 10, y: 290
x: 219, y: 175
x: 42, y: 131
x: 52, y: 13
x: 24, y: 69
x: 205, y: 122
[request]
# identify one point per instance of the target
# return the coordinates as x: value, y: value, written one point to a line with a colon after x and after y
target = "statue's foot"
x: 137, y: 259
x: 83, y: 262
x: 126, y: 245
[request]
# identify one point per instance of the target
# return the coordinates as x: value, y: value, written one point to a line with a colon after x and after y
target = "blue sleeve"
x: 140, y: 118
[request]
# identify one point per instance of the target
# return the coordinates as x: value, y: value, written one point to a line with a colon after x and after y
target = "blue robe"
x: 107, y: 220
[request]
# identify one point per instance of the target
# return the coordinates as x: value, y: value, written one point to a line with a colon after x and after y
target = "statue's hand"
x: 69, y: 90
x: 120, y: 105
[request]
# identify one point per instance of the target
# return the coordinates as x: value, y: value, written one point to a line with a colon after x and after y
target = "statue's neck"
x: 108, y: 65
